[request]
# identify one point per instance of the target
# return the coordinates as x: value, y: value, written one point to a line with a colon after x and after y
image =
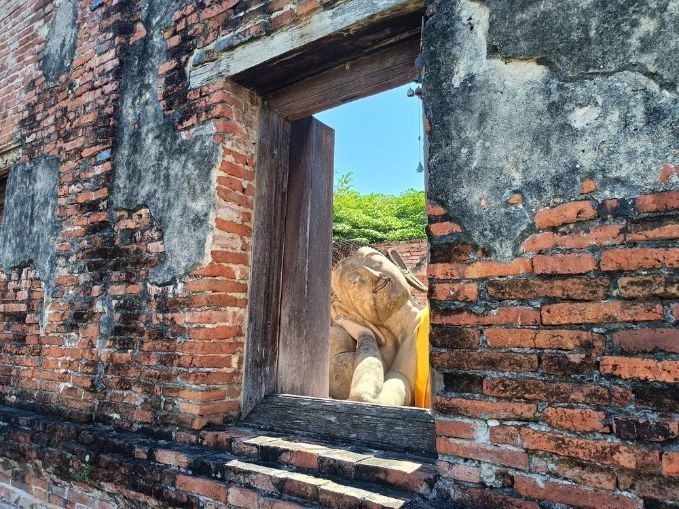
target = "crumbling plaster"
x: 154, y: 165
x: 61, y: 40
x: 533, y: 97
x: 30, y: 224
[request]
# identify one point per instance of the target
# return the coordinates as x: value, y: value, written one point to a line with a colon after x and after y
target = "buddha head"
x: 368, y: 287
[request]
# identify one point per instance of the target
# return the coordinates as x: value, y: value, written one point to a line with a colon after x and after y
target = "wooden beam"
x: 370, y: 74
x: 403, y: 429
x: 10, y: 154
x: 261, y: 353
x: 343, y: 22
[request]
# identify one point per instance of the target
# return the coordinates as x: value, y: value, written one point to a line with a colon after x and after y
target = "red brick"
x: 668, y: 170
x: 532, y: 389
x: 572, y: 494
x: 645, y: 430
x: 639, y: 258
x: 599, y: 451
x: 597, y: 236
x: 504, y: 435
x: 435, y: 210
x: 454, y: 291
x: 502, y: 315
x: 576, y: 470
x: 658, y: 202
x: 485, y: 361
x: 604, y: 312
x: 652, y: 230
x: 575, y: 419
x: 208, y: 408
x: 545, y: 339
x: 588, y: 186
x: 214, y: 395
x: 483, y: 409
x: 567, y: 364
x: 216, y: 285
x: 483, y: 452
x: 641, y: 369
x: 527, y: 289
x: 515, y: 199
x: 647, y: 340
x: 459, y: 471
x: 211, y: 489
x: 445, y: 336
x: 446, y: 228
x: 457, y: 429
x: 241, y: 497
x: 670, y: 463
x: 665, y: 286
x: 564, y: 264
x: 654, y: 487
x: 221, y: 332
x: 174, y: 458
x: 479, y: 270
x: 487, y: 499
x: 565, y: 214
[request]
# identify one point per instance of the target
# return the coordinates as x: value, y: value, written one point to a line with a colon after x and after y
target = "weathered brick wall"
x: 553, y: 261
x: 24, y: 26
x: 553, y: 243
x: 95, y: 337
x: 415, y: 254
x: 560, y: 366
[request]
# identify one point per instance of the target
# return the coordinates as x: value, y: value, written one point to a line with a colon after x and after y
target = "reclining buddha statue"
x: 379, y: 338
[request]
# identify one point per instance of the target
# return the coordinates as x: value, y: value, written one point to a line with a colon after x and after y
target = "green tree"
x: 374, y: 218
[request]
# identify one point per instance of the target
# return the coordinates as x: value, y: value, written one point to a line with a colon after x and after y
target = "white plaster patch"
x: 584, y: 117
x: 519, y: 70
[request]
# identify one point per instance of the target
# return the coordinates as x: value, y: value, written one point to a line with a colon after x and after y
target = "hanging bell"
x: 420, y: 168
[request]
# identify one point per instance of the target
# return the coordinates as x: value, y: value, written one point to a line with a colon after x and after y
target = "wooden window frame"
x: 9, y: 155
x: 403, y: 429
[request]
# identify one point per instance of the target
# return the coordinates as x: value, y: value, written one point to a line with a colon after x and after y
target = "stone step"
x: 319, y: 490
x: 218, y: 475
x: 255, y: 469
x: 413, y: 475
x: 320, y: 487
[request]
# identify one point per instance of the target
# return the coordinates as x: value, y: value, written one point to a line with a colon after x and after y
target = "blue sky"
x: 376, y: 139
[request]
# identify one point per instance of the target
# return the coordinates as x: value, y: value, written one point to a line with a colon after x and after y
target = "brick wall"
x: 24, y: 26
x: 560, y: 366
x: 100, y: 340
x: 414, y: 254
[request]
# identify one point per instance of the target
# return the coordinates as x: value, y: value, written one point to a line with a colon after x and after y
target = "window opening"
x: 379, y: 317
x: 287, y: 382
x: 4, y: 177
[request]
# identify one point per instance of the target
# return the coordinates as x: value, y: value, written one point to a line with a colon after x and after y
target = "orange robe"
x: 422, y: 371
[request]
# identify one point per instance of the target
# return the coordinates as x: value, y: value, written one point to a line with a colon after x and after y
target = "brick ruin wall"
x: 552, y: 181
x: 415, y: 254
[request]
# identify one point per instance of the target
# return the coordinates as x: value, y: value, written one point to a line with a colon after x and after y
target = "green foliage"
x: 374, y: 218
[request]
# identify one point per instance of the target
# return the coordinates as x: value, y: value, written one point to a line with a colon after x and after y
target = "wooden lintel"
x: 321, y: 39
x: 10, y: 154
x: 370, y: 74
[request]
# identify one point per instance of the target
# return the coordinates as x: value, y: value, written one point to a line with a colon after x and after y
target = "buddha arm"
x: 369, y: 383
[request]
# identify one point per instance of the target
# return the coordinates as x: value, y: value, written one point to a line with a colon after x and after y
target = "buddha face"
x: 370, y: 285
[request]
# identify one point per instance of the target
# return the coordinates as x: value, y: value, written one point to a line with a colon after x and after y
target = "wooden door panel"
x: 303, y: 365
x: 271, y: 181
